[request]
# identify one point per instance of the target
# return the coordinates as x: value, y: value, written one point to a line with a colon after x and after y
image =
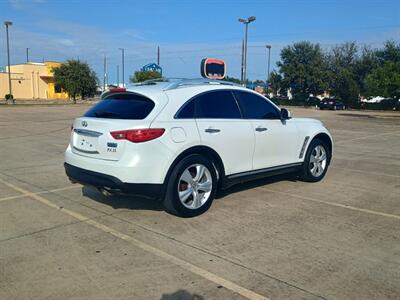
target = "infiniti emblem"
x: 84, y: 124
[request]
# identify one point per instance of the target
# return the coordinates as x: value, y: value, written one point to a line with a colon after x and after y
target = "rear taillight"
x: 118, y: 90
x: 138, y: 135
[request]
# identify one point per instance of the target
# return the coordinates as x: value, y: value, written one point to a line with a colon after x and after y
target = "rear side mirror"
x: 285, y: 114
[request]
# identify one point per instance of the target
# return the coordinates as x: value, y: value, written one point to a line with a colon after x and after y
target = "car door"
x: 276, y: 141
x: 222, y: 128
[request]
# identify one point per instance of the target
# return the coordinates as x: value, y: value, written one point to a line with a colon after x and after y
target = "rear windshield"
x: 122, y: 106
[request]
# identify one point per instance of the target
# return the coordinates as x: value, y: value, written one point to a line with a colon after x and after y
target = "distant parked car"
x: 312, y: 101
x: 332, y: 104
x: 282, y: 97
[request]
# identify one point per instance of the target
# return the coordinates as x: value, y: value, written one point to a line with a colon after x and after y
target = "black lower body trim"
x: 233, y: 179
x: 112, y: 184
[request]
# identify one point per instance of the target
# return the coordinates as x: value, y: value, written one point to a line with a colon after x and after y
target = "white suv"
x: 182, y: 140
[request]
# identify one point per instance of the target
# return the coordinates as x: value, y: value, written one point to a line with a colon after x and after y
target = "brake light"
x: 118, y: 90
x: 138, y: 135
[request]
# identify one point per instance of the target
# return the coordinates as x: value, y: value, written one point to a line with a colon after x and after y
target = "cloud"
x: 57, y: 40
x: 66, y: 42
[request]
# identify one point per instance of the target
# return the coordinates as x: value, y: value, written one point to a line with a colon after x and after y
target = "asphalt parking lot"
x: 271, y: 239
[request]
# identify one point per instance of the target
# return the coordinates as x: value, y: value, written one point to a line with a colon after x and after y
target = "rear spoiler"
x: 112, y: 91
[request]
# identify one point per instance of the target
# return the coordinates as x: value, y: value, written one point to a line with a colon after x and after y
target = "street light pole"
x: 245, y: 53
x: 104, y: 73
x: 246, y: 22
x: 123, y: 66
x: 269, y: 59
x: 117, y: 75
x: 27, y: 55
x: 241, y: 68
x: 7, y: 24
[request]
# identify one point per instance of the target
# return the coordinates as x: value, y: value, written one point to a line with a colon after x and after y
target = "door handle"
x: 260, y: 129
x: 212, y: 130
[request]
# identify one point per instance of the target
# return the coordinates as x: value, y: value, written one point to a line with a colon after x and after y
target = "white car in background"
x: 182, y: 140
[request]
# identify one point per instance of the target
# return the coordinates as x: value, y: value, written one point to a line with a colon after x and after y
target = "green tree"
x: 385, y: 80
x: 275, y: 81
x: 367, y: 62
x: 342, y: 62
x: 303, y: 70
x: 232, y: 79
x: 76, y: 78
x: 140, y: 76
x: 258, y: 81
x: 390, y: 52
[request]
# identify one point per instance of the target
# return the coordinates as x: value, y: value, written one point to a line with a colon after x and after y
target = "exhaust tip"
x: 105, y: 192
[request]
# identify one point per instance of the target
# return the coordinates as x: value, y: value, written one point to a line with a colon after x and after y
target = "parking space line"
x: 366, y: 137
x: 40, y: 193
x: 365, y: 172
x: 378, y: 213
x: 155, y: 251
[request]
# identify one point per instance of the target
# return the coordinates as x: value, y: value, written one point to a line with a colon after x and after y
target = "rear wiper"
x: 105, y: 114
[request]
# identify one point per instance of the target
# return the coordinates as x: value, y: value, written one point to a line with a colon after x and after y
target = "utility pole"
x: 7, y: 24
x: 246, y: 22
x: 117, y: 75
x: 105, y: 73
x: 123, y: 66
x: 27, y: 55
x: 158, y: 55
x: 269, y: 59
x: 241, y: 68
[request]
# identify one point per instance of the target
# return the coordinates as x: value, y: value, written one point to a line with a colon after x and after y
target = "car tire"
x: 191, y: 187
x: 316, y: 161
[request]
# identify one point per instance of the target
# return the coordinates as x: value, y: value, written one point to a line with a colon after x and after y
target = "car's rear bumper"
x: 112, y: 184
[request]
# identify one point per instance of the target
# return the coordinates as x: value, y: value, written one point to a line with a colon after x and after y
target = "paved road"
x: 271, y: 239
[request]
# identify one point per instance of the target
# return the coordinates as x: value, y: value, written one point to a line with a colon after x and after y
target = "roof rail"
x: 152, y: 81
x: 200, y: 81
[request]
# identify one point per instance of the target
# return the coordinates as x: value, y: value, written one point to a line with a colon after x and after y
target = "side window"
x: 186, y: 111
x: 256, y: 107
x: 217, y: 105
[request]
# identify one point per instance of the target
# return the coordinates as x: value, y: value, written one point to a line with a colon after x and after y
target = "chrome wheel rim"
x: 318, y: 161
x: 195, y: 186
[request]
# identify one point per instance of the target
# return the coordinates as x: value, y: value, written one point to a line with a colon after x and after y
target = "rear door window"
x: 122, y: 106
x: 217, y: 105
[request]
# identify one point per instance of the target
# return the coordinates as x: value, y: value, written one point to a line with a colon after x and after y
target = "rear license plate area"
x: 86, y: 144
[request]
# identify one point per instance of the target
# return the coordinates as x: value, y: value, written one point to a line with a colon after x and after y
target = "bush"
x: 9, y: 97
x: 284, y: 102
x: 296, y: 101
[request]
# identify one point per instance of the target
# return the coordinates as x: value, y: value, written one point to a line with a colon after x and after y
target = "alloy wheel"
x: 195, y: 186
x: 318, y: 161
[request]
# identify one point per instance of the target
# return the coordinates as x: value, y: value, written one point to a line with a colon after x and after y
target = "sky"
x: 187, y: 31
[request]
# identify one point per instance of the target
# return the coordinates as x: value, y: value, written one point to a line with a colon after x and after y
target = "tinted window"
x: 122, y: 106
x: 217, y: 105
x: 187, y: 111
x: 256, y: 107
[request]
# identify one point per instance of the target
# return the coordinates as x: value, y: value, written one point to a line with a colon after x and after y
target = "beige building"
x: 31, y: 81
